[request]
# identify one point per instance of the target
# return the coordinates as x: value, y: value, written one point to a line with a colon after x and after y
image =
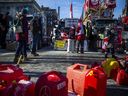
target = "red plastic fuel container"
x: 76, y: 78
x: 8, y: 73
x: 21, y: 88
x: 122, y: 77
x: 51, y: 84
x: 95, y: 82
x: 86, y: 82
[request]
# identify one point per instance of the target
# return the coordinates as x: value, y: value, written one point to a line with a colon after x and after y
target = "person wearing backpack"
x: 35, y: 35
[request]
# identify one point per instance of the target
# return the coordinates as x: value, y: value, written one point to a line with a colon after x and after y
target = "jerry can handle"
x: 80, y: 67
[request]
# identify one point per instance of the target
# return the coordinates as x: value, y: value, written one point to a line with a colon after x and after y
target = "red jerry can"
x: 9, y: 90
x: 76, y: 78
x: 2, y: 88
x: 113, y: 73
x: 122, y: 77
x: 51, y: 84
x: 95, y: 64
x: 26, y: 88
x: 8, y: 73
x: 85, y: 81
x: 95, y: 82
x: 21, y: 88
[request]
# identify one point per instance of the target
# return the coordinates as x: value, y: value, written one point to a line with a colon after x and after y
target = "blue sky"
x: 77, y: 7
x: 118, y: 9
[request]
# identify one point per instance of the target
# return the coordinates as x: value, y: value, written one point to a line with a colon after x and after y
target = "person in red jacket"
x: 80, y: 37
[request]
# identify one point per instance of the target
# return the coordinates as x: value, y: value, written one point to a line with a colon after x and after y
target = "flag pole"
x: 71, y: 10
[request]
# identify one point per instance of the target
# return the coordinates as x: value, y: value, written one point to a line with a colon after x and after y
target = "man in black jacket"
x: 35, y: 34
x: 111, y: 43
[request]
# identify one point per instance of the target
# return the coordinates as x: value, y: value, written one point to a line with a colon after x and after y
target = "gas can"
x: 8, y: 73
x: 95, y: 82
x: 26, y: 88
x: 76, y: 78
x: 51, y: 83
x: 21, y: 88
x: 85, y: 81
x: 108, y: 65
x: 122, y: 77
x: 113, y: 73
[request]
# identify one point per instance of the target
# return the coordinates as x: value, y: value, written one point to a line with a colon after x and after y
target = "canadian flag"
x: 71, y: 11
x: 110, y: 3
x: 85, y: 6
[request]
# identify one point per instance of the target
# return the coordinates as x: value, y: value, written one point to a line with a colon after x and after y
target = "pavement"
x: 50, y: 59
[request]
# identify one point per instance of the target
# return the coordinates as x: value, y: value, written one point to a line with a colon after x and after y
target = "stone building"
x: 51, y: 18
x: 13, y: 6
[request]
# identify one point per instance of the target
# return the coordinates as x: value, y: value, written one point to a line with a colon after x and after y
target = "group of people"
x: 77, y: 38
x: 83, y: 38
x: 22, y: 36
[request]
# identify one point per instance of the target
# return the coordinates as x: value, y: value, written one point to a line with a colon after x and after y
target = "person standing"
x: 5, y: 28
x: 35, y: 34
x: 80, y: 37
x: 93, y: 39
x: 22, y: 37
x: 71, y: 40
x: 111, y: 43
x: 1, y: 28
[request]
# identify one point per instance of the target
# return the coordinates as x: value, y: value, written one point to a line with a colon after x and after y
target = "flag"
x: 110, y: 3
x: 85, y: 7
x: 91, y: 4
x: 71, y: 11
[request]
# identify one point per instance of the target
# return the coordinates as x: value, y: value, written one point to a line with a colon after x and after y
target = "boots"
x: 24, y: 58
x: 77, y: 50
x: 82, y: 50
x: 106, y: 55
x: 16, y: 58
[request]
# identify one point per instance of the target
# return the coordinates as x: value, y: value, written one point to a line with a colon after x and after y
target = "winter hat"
x: 24, y: 11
